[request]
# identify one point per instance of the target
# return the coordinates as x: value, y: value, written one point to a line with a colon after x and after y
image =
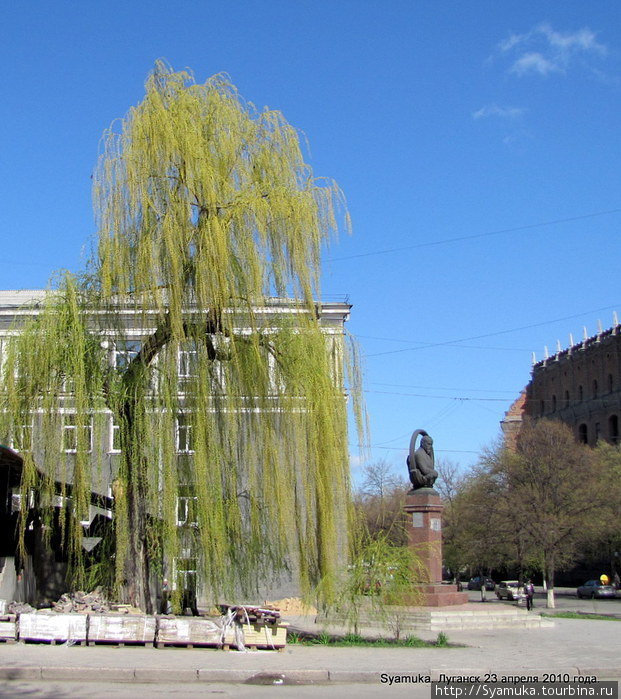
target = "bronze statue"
x: 421, y: 461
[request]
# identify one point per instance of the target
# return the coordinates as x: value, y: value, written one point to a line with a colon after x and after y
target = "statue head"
x: 426, y: 443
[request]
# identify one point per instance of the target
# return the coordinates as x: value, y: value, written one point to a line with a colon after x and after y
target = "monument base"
x: 423, y: 509
x: 436, y: 595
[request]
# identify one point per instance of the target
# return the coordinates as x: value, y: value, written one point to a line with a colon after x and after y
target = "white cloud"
x: 582, y: 40
x: 543, y: 50
x: 534, y: 63
x: 494, y: 110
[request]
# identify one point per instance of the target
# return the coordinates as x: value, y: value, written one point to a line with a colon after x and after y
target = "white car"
x: 510, y: 589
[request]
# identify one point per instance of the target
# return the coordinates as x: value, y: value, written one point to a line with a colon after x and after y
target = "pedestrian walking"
x: 165, y: 603
x: 529, y: 591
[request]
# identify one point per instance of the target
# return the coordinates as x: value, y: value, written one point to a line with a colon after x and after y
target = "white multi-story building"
x: 122, y: 342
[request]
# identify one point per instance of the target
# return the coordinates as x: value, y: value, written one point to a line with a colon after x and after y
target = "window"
x: 114, y: 445
x: 184, y: 436
x: 610, y: 383
x: 16, y: 501
x: 187, y: 363
x: 75, y: 435
x: 553, y: 403
x: 580, y: 393
x: 187, y: 360
x: 613, y: 429
x: 67, y: 384
x: 583, y: 434
x: 595, y: 388
x: 220, y: 365
x: 22, y: 438
x: 184, y: 573
x: 124, y: 352
x: 219, y: 377
x: 187, y: 510
x: 276, y: 380
x: 566, y: 398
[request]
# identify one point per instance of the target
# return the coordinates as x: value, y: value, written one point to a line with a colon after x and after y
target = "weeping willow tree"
x: 196, y: 328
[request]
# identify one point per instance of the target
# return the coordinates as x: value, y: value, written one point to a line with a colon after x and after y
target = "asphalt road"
x: 566, y: 600
x: 100, y: 690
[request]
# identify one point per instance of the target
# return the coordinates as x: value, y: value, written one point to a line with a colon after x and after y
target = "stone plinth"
x: 424, y: 509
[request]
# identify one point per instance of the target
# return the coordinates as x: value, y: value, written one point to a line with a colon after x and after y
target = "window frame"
x: 183, y: 425
x: 72, y: 428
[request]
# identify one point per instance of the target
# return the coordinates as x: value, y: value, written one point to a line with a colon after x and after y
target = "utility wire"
x: 441, y: 388
x: 476, y: 235
x: 443, y: 451
x: 494, y: 334
x: 425, y: 395
x: 424, y: 344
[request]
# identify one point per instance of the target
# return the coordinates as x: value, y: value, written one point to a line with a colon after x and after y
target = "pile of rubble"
x: 19, y: 608
x: 85, y: 602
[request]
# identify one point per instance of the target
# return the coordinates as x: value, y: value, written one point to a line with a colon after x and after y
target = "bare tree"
x: 380, y: 501
x: 550, y: 490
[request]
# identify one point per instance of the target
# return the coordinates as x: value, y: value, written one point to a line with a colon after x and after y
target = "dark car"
x: 477, y: 582
x: 595, y: 588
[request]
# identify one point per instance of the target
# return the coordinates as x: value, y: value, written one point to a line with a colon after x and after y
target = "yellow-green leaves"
x: 230, y: 413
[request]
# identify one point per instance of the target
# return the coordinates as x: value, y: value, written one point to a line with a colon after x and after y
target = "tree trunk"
x: 137, y: 582
x: 549, y: 580
x: 136, y: 588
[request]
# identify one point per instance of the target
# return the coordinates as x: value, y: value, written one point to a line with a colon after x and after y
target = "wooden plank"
x: 268, y: 636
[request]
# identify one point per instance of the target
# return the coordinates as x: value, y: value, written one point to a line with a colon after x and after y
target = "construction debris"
x: 246, y: 614
x: 88, y: 618
x: 82, y: 602
x: 20, y: 608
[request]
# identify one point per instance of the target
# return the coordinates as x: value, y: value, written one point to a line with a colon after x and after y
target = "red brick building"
x: 580, y: 386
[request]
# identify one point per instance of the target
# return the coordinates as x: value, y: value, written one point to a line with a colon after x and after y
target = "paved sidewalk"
x: 575, y: 647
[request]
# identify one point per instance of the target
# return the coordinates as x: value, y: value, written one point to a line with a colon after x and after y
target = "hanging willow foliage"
x: 227, y: 400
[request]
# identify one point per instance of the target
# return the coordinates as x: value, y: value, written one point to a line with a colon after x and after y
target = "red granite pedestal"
x: 424, y: 509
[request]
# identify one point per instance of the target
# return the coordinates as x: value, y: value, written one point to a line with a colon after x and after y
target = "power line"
x: 494, y: 334
x: 440, y: 451
x: 445, y: 241
x: 425, y: 344
x: 425, y: 395
x: 442, y: 388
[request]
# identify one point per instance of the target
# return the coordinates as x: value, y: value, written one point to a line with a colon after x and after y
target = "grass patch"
x: 581, y: 615
x: 355, y: 640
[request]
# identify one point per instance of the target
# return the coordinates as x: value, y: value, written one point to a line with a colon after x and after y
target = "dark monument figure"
x: 421, y: 461
x: 423, y: 507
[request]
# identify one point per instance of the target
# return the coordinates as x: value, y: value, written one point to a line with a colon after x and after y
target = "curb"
x: 238, y: 676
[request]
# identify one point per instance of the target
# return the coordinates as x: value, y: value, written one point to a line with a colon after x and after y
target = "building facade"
x: 101, y: 434
x: 579, y: 386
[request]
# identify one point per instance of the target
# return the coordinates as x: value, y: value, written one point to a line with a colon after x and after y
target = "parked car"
x: 595, y: 588
x: 510, y: 589
x: 477, y: 582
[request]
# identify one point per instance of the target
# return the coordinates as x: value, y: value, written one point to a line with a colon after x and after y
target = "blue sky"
x: 476, y: 144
